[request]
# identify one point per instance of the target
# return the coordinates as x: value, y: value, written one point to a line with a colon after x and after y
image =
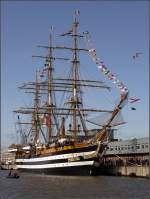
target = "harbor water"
x: 40, y: 186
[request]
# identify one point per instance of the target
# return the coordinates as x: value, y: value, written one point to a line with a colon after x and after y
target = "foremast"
x: 75, y: 102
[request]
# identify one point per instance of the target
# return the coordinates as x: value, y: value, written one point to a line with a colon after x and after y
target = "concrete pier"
x: 134, y: 171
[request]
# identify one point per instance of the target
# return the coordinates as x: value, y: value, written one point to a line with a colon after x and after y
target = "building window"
x: 137, y: 146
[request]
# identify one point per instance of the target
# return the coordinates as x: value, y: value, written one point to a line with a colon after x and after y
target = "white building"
x: 140, y: 145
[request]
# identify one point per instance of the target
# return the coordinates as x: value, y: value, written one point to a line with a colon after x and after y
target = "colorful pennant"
x: 101, y: 65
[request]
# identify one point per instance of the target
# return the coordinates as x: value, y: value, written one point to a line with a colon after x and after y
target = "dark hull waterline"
x: 66, y: 171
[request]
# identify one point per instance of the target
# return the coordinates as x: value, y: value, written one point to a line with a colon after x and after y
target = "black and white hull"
x: 81, y: 161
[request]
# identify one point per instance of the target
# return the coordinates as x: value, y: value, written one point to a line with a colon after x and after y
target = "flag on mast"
x: 52, y: 28
x: 77, y: 12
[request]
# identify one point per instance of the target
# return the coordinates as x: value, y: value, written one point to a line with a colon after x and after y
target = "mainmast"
x: 75, y: 63
x: 75, y: 102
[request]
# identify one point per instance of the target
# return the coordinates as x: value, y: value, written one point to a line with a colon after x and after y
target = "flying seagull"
x: 136, y: 55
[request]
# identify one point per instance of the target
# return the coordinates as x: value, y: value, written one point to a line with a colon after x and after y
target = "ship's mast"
x: 75, y: 63
x: 36, y: 109
x: 49, y: 95
x: 71, y: 85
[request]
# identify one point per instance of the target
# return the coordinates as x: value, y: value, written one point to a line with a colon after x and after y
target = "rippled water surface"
x: 63, y: 187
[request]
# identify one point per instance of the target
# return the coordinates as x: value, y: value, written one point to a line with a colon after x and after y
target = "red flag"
x: 110, y: 76
x: 47, y: 120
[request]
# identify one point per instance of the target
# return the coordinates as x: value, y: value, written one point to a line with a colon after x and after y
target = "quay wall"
x: 136, y: 170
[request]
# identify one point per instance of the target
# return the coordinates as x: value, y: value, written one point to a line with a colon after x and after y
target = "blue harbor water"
x: 37, y: 186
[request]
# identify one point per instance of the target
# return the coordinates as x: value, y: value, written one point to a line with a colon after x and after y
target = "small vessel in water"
x: 58, y: 140
x: 12, y: 174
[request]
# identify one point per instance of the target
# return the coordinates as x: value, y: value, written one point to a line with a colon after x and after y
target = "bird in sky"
x: 133, y: 100
x: 133, y: 109
x: 136, y: 55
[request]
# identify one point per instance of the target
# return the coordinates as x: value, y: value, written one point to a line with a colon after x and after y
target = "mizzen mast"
x: 36, y: 109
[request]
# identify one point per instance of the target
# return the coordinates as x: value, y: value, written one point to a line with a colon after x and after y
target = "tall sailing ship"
x: 58, y: 140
